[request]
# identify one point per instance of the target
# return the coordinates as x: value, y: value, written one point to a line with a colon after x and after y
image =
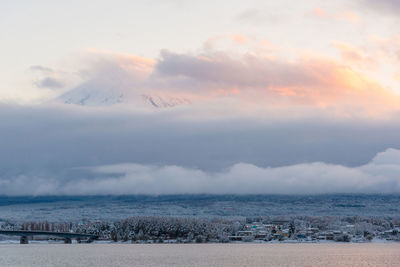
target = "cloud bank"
x: 378, y: 176
x: 52, y: 150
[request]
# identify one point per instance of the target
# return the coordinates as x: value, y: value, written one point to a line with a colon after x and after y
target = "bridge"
x: 65, y: 235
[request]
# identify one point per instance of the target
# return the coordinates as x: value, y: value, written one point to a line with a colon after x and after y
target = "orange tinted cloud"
x: 354, y: 56
x: 397, y: 76
x: 333, y: 84
x: 308, y: 81
x: 319, y: 13
x: 239, y: 39
x: 389, y: 47
x: 348, y: 15
x: 254, y: 82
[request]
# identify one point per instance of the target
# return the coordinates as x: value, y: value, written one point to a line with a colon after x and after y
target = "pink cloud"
x: 319, y: 13
x: 348, y: 15
x: 345, y: 15
x: 250, y: 80
x: 239, y: 39
x: 354, y: 56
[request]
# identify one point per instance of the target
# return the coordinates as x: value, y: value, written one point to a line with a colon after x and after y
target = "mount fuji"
x: 85, y: 96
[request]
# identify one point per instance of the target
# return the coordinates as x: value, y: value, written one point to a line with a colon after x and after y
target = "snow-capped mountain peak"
x: 89, y: 97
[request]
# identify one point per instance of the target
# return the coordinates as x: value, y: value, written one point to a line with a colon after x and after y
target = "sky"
x: 221, y: 97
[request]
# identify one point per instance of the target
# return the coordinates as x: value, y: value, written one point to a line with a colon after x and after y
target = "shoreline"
x: 260, y: 242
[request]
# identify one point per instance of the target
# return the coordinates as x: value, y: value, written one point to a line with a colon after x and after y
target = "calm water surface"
x: 373, y: 254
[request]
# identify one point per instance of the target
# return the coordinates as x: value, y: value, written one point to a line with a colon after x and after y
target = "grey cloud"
x: 378, y: 176
x: 257, y: 15
x: 249, y: 71
x: 44, y: 149
x: 49, y: 82
x: 248, y: 14
x: 387, y: 6
x: 40, y: 68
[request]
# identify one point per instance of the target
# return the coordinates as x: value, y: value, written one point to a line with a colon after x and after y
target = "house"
x: 245, y: 233
x: 235, y: 238
x: 301, y: 236
x: 329, y: 236
x: 261, y: 235
x: 285, y: 232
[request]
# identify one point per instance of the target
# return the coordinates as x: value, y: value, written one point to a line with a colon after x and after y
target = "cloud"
x: 387, y: 6
x: 250, y: 72
x: 355, y: 56
x: 249, y: 81
x: 253, y: 124
x: 49, y: 82
x: 378, y: 176
x: 49, y: 150
x: 312, y: 81
x: 257, y: 15
x: 387, y: 48
x: 348, y: 16
x: 239, y: 39
x: 396, y: 76
x: 40, y: 68
x: 48, y: 78
x: 320, y: 13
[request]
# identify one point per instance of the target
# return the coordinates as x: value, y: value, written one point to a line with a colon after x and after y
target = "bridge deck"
x: 33, y: 233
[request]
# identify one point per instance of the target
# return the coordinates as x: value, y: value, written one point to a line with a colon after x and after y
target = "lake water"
x: 371, y: 254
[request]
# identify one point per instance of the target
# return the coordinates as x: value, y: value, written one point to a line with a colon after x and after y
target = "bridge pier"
x: 67, y: 240
x: 23, y: 240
